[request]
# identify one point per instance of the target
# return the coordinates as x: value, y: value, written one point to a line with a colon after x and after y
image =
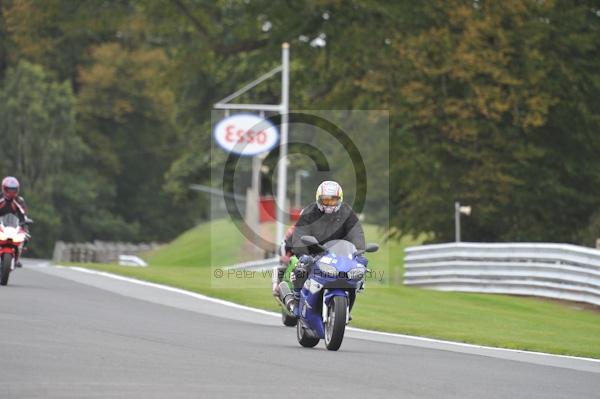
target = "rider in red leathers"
x: 11, y: 202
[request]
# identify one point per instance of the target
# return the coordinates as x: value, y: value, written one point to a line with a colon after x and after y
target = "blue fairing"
x: 326, y: 286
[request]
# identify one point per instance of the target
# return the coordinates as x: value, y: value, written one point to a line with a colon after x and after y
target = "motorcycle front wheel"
x: 336, y: 322
x: 5, y: 268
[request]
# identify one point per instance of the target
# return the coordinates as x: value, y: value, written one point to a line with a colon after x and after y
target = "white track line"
x: 172, y: 289
x: 358, y: 330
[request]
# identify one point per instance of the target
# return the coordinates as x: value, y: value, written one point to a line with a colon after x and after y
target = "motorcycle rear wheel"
x: 287, y: 320
x: 336, y: 323
x: 5, y: 268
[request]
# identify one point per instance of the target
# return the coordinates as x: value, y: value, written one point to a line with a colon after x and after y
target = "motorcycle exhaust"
x: 286, y: 296
x: 284, y: 290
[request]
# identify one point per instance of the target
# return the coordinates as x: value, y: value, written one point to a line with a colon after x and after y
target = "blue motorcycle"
x: 329, y: 292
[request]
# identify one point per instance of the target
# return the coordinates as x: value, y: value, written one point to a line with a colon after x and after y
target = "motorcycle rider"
x: 329, y: 218
x: 11, y: 202
x: 285, y: 256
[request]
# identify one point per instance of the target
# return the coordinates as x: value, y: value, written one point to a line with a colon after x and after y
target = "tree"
x: 476, y: 96
x: 58, y: 33
x: 493, y: 104
x: 126, y: 116
x: 41, y: 148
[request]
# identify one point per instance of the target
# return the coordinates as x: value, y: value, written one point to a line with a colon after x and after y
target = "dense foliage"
x: 105, y: 106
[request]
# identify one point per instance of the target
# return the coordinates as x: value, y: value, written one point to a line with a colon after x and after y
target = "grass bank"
x: 195, y: 260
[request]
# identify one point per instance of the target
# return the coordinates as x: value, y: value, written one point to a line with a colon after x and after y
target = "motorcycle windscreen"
x: 341, y: 248
x: 9, y: 220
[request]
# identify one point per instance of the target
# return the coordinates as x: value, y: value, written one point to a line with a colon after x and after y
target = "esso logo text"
x: 246, y: 134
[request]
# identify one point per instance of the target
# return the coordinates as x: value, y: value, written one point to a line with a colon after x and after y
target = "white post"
x: 282, y: 166
x: 297, y: 190
x: 457, y: 221
x: 256, y: 164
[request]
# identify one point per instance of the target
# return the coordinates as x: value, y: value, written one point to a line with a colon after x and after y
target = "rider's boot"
x: 24, y: 248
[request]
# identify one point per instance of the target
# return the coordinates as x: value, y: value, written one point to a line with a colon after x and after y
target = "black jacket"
x: 341, y: 225
x: 16, y: 206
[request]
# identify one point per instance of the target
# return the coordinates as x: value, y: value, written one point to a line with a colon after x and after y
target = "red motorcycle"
x: 12, y: 240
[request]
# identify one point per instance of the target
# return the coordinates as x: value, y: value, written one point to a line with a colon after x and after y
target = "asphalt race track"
x: 69, y: 334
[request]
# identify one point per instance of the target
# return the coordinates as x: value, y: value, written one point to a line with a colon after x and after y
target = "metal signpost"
x: 283, y: 109
x: 458, y: 209
x: 299, y: 175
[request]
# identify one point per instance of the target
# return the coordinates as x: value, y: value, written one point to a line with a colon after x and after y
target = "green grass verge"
x: 532, y: 324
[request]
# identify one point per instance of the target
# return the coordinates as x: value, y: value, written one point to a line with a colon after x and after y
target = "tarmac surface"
x: 66, y: 333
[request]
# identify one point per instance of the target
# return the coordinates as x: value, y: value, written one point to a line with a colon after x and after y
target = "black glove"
x: 305, y: 260
x: 300, y: 272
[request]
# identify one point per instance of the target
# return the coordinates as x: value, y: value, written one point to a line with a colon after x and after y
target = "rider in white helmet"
x: 329, y: 197
x: 328, y: 218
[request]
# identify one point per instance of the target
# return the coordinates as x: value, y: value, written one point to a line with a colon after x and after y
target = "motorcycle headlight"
x: 328, y: 270
x: 357, y: 273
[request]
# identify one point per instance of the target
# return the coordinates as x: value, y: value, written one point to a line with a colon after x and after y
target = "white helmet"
x: 329, y: 196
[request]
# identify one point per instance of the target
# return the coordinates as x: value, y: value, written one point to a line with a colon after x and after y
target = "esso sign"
x: 246, y: 134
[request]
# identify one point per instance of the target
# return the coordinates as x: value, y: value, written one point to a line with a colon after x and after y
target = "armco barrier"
x: 97, y: 251
x: 560, y: 271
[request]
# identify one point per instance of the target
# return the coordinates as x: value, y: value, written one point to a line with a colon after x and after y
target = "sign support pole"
x: 282, y: 164
x: 283, y: 109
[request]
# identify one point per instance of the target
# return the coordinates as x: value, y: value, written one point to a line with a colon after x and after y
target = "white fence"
x: 560, y: 271
x: 255, y: 265
x: 98, y: 251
